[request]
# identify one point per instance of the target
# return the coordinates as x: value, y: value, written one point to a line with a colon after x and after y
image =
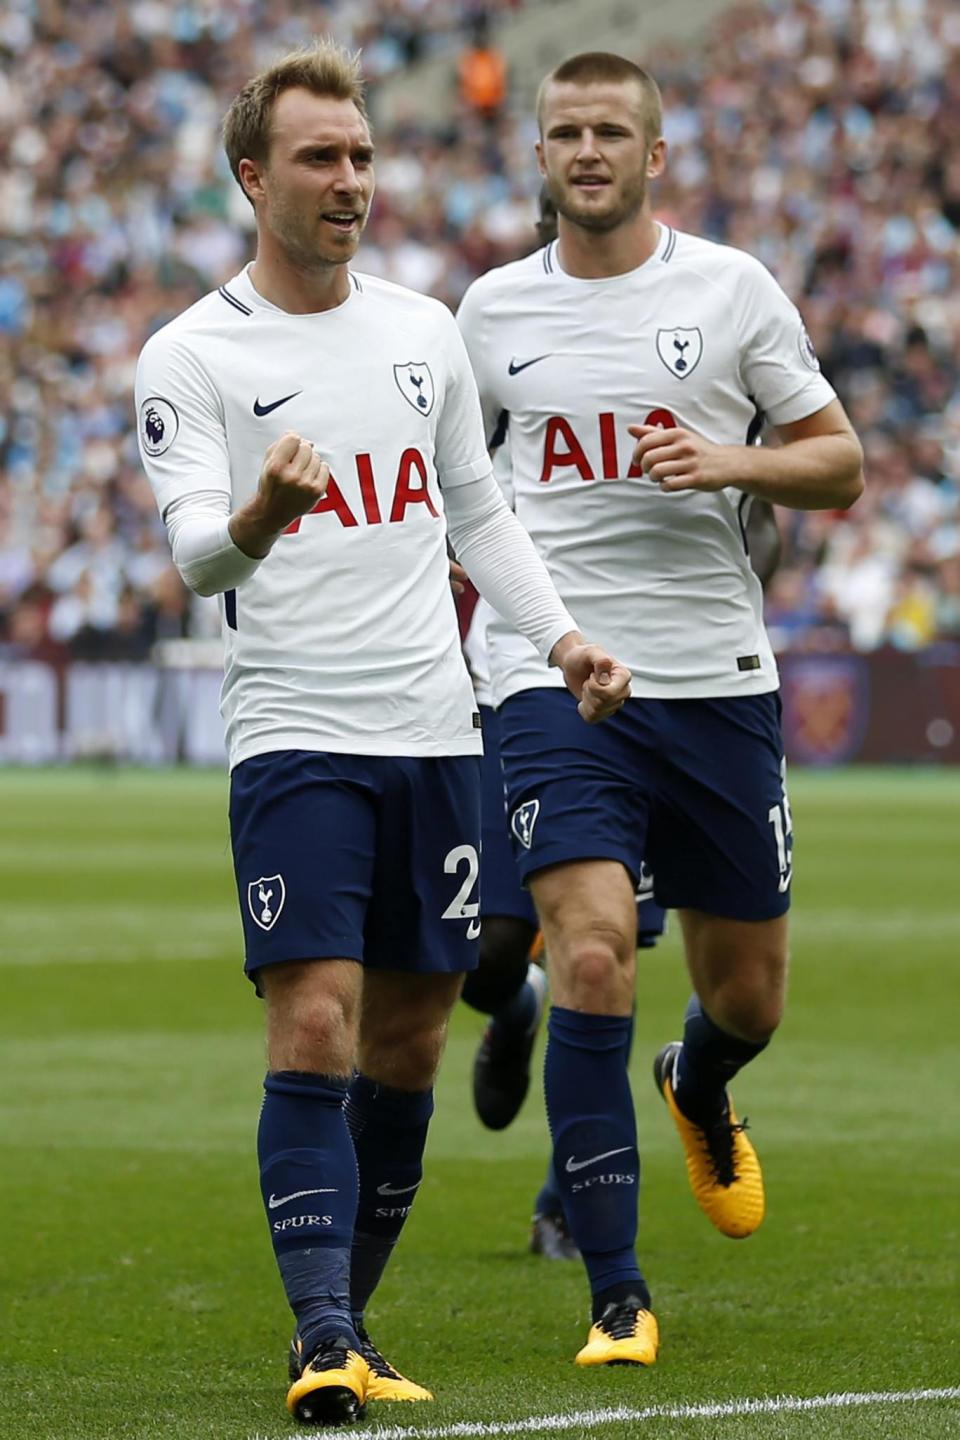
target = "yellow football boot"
x: 385, y: 1382
x: 625, y: 1334
x: 722, y: 1165
x: 331, y: 1388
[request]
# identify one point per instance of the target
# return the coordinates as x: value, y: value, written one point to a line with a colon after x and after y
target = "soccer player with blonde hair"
x: 313, y: 436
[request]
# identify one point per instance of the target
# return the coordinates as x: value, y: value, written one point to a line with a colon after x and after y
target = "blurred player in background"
x: 509, y: 983
x: 312, y: 435
x: 631, y: 367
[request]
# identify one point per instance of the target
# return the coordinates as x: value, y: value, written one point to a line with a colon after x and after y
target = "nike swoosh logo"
x: 276, y: 1201
x: 259, y: 409
x: 573, y: 1165
x: 404, y: 1190
x: 514, y: 368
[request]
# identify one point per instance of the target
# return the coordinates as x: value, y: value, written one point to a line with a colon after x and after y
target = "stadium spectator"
x: 482, y: 72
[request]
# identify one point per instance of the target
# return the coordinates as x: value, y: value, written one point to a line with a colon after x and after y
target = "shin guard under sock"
x: 596, y: 1164
x: 308, y: 1176
x: 389, y: 1130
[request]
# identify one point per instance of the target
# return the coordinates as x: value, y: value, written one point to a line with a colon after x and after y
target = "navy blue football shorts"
x: 696, y: 788
x: 503, y: 890
x: 358, y: 857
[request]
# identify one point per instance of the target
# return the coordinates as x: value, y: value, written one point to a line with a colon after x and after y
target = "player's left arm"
x: 819, y: 466
x: 501, y: 560
x: 498, y: 554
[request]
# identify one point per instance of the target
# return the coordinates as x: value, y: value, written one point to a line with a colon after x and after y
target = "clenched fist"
x: 292, y: 480
x: 600, y: 683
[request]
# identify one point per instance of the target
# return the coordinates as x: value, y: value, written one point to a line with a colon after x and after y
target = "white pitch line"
x: 555, y: 1424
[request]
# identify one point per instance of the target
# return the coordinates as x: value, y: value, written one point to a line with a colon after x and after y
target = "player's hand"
x: 292, y: 480
x: 681, y: 460
x: 600, y: 683
x: 458, y: 578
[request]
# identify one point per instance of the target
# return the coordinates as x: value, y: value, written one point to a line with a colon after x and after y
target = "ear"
x: 657, y: 159
x: 251, y: 178
x: 541, y: 164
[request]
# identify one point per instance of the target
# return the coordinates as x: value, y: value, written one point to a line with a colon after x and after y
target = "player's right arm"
x: 183, y: 444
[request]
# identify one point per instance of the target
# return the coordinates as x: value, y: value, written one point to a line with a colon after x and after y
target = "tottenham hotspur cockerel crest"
x: 265, y: 899
x: 415, y: 384
x: 680, y: 349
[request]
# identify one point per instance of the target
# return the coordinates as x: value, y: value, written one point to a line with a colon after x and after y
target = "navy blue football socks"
x: 596, y: 1164
x: 548, y: 1201
x: 389, y: 1130
x: 308, y: 1176
x: 708, y: 1061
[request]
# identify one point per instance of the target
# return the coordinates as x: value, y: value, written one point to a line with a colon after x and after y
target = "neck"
x: 300, y: 292
x: 598, y: 254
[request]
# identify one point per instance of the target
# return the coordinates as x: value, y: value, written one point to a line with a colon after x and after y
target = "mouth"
x: 590, y: 182
x: 346, y: 221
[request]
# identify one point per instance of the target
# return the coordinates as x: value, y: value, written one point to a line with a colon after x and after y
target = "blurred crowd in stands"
x: 821, y: 135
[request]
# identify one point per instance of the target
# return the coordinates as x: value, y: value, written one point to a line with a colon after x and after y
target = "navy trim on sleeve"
x: 230, y: 608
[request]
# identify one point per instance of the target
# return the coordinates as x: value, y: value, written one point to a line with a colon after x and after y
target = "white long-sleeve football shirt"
x: 344, y: 637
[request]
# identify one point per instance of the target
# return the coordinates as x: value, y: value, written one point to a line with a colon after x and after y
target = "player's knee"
x: 599, y: 968
x: 317, y: 1035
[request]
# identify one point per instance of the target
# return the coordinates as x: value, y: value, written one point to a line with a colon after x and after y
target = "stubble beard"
x: 629, y: 205
x: 301, y: 244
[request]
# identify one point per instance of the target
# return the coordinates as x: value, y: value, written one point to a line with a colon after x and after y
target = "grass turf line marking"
x: 542, y: 1424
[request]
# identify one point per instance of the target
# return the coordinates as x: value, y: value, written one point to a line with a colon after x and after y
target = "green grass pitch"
x: 138, y: 1299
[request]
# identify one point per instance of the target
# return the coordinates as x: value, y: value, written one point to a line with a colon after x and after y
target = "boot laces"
x: 619, y: 1320
x: 331, y: 1356
x: 377, y: 1362
x: 718, y: 1141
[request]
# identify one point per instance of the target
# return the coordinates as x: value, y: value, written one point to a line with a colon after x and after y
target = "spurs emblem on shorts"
x: 524, y: 819
x: 265, y: 899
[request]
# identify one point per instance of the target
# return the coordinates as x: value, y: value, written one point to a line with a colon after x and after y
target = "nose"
x: 587, y: 149
x: 348, y: 180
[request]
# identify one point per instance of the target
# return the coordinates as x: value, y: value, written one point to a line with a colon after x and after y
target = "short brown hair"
x: 324, y: 68
x: 602, y: 65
